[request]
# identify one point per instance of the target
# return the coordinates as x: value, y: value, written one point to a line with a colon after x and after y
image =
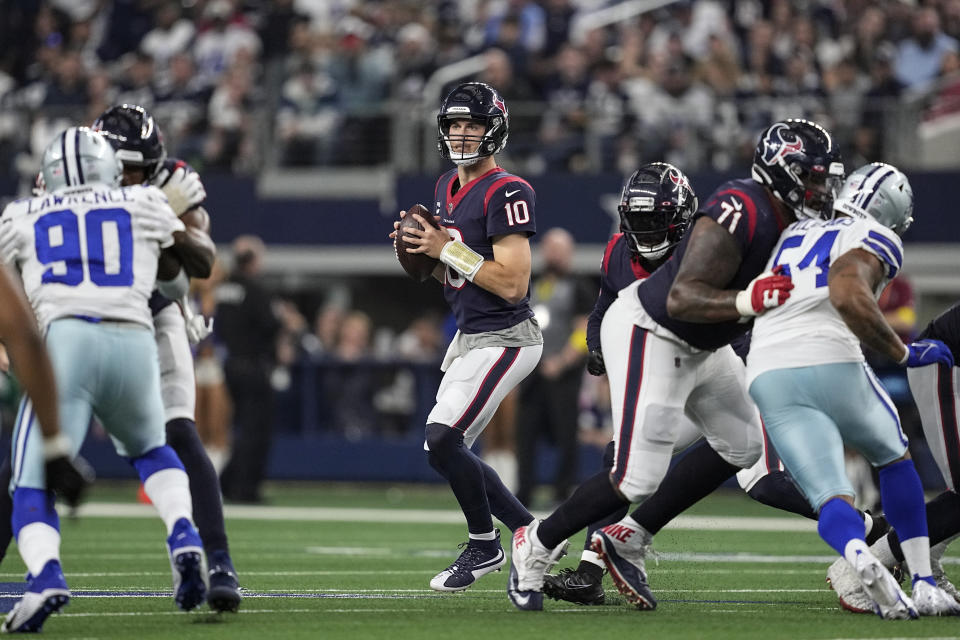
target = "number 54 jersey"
x: 89, y: 251
x: 807, y: 330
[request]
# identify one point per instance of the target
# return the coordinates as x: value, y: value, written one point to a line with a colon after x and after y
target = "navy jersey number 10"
x: 818, y: 255
x: 64, y: 226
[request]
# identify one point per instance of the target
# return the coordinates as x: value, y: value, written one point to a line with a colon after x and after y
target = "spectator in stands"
x: 548, y: 396
x: 68, y: 88
x: 173, y: 34
x: 229, y: 144
x: 247, y: 328
x: 565, y: 118
x: 308, y: 118
x: 226, y: 35
x: 136, y: 86
x: 920, y: 57
x: 276, y: 25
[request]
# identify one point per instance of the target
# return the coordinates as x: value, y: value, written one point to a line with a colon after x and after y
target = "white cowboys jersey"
x: 89, y: 251
x: 807, y: 330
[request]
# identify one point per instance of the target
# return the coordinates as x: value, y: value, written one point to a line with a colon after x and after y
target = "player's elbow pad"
x: 176, y: 288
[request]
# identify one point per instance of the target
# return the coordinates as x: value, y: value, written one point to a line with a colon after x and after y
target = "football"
x: 418, y: 265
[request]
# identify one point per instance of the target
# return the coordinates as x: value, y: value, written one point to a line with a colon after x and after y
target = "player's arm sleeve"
x: 9, y: 242
x: 600, y: 306
x: 510, y: 208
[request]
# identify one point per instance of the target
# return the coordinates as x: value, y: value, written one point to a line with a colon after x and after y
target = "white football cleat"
x: 529, y: 564
x: 890, y: 602
x: 936, y: 554
x: 844, y: 581
x: 933, y: 601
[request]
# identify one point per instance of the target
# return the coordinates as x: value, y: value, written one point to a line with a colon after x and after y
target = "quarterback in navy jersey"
x: 487, y: 217
x: 666, y: 349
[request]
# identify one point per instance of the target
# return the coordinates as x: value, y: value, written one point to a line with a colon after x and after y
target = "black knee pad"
x: 181, y: 431
x: 443, y: 440
x: 608, y: 453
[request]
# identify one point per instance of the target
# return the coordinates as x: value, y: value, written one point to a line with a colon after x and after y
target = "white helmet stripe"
x: 70, y: 157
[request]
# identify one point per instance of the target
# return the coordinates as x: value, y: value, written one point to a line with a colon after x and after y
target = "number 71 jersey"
x: 89, y: 251
x: 807, y: 330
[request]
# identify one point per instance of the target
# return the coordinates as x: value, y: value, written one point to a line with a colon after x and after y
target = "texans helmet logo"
x: 499, y: 103
x: 678, y: 179
x: 780, y: 142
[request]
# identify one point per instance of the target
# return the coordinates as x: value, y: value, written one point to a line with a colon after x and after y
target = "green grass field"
x: 332, y: 561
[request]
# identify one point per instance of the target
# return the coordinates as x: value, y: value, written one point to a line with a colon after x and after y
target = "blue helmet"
x: 798, y: 162
x: 79, y: 156
x: 135, y: 136
x: 473, y: 101
x: 655, y: 209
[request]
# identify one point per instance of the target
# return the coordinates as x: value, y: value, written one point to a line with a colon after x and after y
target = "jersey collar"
x: 454, y: 200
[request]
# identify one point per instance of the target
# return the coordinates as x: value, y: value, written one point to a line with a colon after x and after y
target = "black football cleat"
x: 224, y: 592
x: 574, y: 586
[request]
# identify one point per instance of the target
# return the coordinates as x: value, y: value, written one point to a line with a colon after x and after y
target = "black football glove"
x: 67, y: 480
x: 595, y: 366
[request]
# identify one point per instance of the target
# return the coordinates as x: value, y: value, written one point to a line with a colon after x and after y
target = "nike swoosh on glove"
x: 768, y: 290
x: 184, y: 190
x: 924, y: 352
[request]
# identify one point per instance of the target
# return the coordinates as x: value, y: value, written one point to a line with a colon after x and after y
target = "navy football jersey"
x: 158, y: 302
x: 619, y: 268
x: 495, y: 204
x: 946, y: 328
x: 743, y: 208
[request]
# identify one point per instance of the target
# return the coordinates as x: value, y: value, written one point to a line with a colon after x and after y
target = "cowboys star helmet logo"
x: 779, y: 143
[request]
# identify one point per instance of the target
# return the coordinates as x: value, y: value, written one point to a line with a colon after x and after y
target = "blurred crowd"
x: 236, y: 83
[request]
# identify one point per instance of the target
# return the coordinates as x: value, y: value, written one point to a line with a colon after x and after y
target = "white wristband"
x: 462, y: 258
x: 58, y: 445
x: 744, y: 304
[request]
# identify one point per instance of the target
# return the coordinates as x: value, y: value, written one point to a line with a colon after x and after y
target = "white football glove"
x: 198, y: 327
x: 184, y: 190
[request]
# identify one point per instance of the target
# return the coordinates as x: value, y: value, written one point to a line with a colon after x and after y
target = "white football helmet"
x: 79, y: 156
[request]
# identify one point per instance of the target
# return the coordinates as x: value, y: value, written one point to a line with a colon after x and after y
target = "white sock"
x: 492, y: 535
x: 854, y: 548
x: 592, y: 558
x: 916, y: 551
x: 169, y: 491
x: 881, y: 549
x: 39, y: 543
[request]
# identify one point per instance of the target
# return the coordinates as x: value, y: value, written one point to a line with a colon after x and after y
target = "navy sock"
x: 183, y: 438
x: 594, y: 499
x: 943, y: 521
x: 6, y: 508
x: 777, y: 490
x: 463, y: 472
x: 902, y: 497
x: 839, y: 523
x: 616, y: 516
x: 503, y: 504
x: 694, y: 476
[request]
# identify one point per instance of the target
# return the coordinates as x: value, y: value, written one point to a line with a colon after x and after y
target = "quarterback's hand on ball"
x: 768, y: 290
x: 595, y: 366
x: 924, y: 352
x: 184, y: 190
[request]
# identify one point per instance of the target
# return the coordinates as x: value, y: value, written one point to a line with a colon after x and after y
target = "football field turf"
x: 334, y: 561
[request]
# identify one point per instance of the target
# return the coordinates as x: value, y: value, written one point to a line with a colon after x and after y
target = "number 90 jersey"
x: 807, y: 330
x: 89, y: 251
x: 495, y: 204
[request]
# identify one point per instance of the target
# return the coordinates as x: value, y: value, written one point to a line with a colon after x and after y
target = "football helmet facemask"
x: 478, y: 102
x: 798, y: 162
x: 135, y: 136
x: 655, y: 209
x: 881, y: 191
